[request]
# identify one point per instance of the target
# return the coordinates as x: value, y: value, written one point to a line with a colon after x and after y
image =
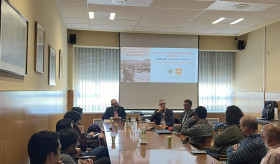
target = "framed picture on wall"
x: 13, y: 40
x: 52, y: 66
x: 39, y: 47
x: 60, y: 64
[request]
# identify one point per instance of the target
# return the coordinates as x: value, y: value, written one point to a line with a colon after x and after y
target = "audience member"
x: 229, y: 136
x: 163, y: 116
x: 100, y: 151
x: 65, y: 123
x: 185, y: 116
x: 201, y: 128
x: 251, y: 150
x: 114, y: 111
x: 271, y: 137
x: 44, y: 148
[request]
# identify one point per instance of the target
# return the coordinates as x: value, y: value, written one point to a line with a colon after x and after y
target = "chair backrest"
x: 206, y: 143
x: 136, y: 115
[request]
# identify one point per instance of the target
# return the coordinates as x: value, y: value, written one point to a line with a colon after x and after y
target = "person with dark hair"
x: 185, y: 116
x: 44, y: 148
x: 251, y: 150
x: 230, y: 135
x: 65, y: 123
x: 114, y: 111
x: 200, y: 127
x: 78, y: 109
x: 100, y: 151
x: 76, y: 117
x: 69, y: 140
x: 163, y: 116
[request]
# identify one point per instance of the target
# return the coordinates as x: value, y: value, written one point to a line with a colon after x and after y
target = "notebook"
x: 165, y: 131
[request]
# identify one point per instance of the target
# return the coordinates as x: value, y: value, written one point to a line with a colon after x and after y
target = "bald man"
x: 114, y: 111
x: 271, y: 137
x: 251, y: 150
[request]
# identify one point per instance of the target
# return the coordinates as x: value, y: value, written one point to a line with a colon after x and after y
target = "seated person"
x: 114, y: 111
x: 185, y: 116
x: 201, y: 128
x: 44, y: 148
x: 65, y: 123
x: 230, y: 135
x: 163, y: 116
x: 99, y: 152
x: 271, y: 137
x: 69, y: 139
x: 251, y: 150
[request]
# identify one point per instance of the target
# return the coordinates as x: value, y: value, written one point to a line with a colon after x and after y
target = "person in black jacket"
x: 163, y: 116
x: 115, y: 111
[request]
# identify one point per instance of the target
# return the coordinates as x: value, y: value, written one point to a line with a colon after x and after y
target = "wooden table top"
x: 127, y: 149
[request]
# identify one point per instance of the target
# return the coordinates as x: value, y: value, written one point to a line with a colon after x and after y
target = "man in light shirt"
x: 163, y: 116
x: 271, y: 137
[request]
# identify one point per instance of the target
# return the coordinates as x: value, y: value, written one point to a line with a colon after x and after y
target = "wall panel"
x: 22, y: 114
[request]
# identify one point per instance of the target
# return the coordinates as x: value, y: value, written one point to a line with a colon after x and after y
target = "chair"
x: 136, y: 115
x: 206, y: 143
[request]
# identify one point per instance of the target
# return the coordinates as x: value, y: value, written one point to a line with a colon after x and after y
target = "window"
x: 216, y: 80
x: 96, y: 78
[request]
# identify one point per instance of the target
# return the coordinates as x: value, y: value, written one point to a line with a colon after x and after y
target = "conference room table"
x: 128, y: 150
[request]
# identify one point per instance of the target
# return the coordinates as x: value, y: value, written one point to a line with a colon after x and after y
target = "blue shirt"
x: 250, y: 151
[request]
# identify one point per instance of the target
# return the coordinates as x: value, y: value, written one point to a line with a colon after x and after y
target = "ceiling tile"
x: 229, y: 6
x: 152, y: 29
x: 160, y: 24
x: 165, y: 18
x: 181, y: 4
x: 113, y: 22
x: 111, y: 28
x: 257, y: 1
x: 77, y: 26
x: 139, y: 3
x: 76, y: 20
x: 74, y: 10
x: 173, y: 12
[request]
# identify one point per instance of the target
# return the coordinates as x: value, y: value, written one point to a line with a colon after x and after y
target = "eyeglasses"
x: 114, y: 104
x: 162, y: 103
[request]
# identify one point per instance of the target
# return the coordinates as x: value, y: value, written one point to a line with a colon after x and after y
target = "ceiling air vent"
x: 118, y: 1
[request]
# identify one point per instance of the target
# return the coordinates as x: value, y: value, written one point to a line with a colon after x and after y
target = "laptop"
x: 165, y: 131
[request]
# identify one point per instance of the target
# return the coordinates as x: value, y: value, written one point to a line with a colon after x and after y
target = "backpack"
x: 268, y: 109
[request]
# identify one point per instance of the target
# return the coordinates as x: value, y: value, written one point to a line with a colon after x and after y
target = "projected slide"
x: 159, y: 65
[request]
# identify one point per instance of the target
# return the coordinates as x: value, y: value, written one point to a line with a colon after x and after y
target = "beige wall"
x: 249, y: 63
x: 46, y: 13
x: 257, y: 70
x: 273, y: 58
x: 217, y: 43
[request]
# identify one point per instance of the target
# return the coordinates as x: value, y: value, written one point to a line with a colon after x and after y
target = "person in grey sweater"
x: 201, y: 128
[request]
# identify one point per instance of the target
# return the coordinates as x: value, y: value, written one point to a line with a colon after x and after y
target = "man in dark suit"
x: 114, y: 111
x: 163, y: 116
x: 185, y: 116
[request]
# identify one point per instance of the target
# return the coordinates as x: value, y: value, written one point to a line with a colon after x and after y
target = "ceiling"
x: 169, y: 16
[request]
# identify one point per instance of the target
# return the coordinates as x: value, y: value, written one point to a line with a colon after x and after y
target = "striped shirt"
x: 250, y: 151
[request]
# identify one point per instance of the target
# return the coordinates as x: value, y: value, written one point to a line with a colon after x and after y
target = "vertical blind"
x: 96, y: 78
x: 216, y: 80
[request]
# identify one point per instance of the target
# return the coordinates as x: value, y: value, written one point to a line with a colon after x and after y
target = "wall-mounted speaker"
x: 241, y: 44
x: 72, y: 38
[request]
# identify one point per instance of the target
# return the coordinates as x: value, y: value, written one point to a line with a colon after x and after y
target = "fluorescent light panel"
x: 91, y: 15
x: 237, y: 21
x: 112, y: 16
x: 218, y: 20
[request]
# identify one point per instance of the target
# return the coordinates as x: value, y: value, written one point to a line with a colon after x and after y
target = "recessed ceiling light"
x: 238, y: 20
x: 91, y: 15
x: 112, y: 16
x: 218, y: 20
x: 240, y: 6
